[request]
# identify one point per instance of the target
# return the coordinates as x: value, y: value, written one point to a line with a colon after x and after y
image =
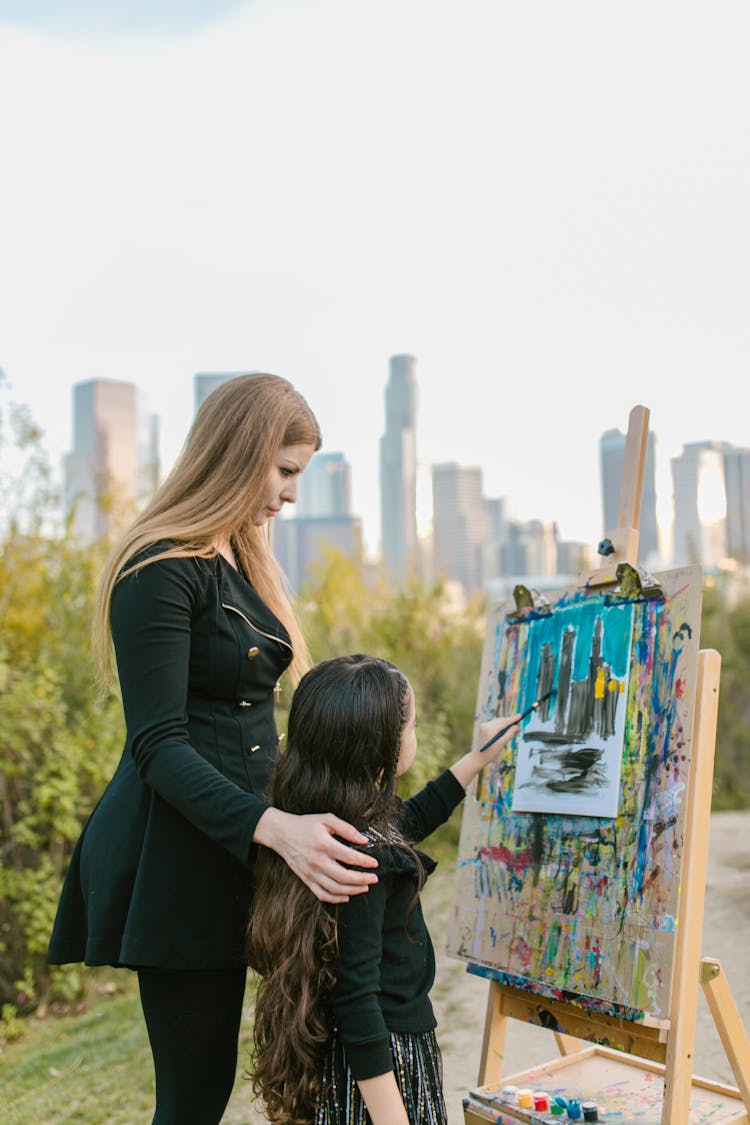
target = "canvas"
x: 569, y: 900
x: 570, y: 750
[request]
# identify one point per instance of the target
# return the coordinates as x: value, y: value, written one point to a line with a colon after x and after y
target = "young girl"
x: 344, y: 1029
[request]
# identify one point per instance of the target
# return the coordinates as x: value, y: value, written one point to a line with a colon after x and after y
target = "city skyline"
x: 114, y: 454
x: 572, y: 523
x: 309, y: 188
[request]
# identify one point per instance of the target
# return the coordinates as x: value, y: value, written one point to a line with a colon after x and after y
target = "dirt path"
x: 460, y: 998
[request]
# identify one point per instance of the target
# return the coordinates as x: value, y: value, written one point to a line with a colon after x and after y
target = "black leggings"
x: 193, y: 1021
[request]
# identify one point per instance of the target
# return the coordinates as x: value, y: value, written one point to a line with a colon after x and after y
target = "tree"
x: 437, y: 646
x: 60, y: 735
x: 728, y: 631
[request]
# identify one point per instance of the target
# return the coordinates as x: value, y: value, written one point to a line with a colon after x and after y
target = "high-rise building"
x: 398, y: 470
x: 573, y: 557
x: 529, y: 550
x: 113, y: 465
x: 612, y: 460
x: 462, y: 523
x: 700, y: 504
x: 300, y: 543
x: 321, y: 519
x: 737, y: 478
x: 325, y: 488
x: 205, y: 382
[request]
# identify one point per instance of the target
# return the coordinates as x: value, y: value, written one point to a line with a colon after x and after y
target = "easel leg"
x: 678, y: 1076
x: 728, y: 1024
x: 493, y: 1043
x: 568, y: 1044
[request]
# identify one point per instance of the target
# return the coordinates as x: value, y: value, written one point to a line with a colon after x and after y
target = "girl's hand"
x: 466, y: 768
x: 309, y: 845
x: 488, y: 730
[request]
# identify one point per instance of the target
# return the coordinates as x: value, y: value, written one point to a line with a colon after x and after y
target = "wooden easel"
x: 659, y: 1050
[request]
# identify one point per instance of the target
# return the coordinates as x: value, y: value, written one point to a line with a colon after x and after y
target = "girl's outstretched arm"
x: 309, y: 845
x: 467, y: 767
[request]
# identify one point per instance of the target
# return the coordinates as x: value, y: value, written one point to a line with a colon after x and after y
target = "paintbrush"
x: 523, y: 715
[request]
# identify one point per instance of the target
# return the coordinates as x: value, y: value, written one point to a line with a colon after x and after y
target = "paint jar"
x: 574, y: 1109
x: 558, y: 1110
x: 526, y: 1098
x: 590, y: 1111
x: 541, y: 1101
x: 509, y: 1093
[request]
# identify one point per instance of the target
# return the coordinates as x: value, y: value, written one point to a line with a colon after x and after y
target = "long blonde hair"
x: 211, y: 493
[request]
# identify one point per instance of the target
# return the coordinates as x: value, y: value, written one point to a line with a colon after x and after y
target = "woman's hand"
x: 466, y: 768
x: 309, y: 845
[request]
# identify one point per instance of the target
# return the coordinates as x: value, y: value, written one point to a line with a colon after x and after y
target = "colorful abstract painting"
x: 582, y: 902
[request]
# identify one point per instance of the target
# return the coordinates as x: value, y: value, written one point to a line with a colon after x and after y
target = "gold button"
x: 245, y: 703
x: 252, y: 652
x: 253, y: 749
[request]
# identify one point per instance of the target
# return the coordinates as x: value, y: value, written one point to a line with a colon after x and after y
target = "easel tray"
x: 627, y: 1089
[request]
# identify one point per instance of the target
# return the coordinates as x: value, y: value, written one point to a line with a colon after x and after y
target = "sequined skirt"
x: 419, y: 1073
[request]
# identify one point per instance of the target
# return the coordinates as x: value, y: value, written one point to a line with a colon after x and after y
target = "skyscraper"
x: 321, y: 519
x: 700, y: 504
x: 737, y: 477
x: 205, y: 382
x: 300, y: 543
x: 612, y: 459
x: 113, y: 464
x: 325, y: 488
x: 461, y: 523
x: 398, y: 470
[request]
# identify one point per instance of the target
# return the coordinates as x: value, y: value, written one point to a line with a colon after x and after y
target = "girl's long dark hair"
x: 344, y: 739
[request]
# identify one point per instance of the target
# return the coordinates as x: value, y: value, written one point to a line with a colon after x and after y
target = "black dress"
x: 161, y: 876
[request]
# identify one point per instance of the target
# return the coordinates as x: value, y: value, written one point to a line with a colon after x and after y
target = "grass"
x: 94, y: 1068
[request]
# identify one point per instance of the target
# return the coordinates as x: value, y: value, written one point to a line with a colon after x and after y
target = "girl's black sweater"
x: 383, y: 976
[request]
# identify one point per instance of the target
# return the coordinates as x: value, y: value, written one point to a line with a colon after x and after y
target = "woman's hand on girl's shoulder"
x: 313, y: 847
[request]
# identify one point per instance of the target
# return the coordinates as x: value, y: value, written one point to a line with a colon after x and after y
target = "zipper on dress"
x: 263, y: 633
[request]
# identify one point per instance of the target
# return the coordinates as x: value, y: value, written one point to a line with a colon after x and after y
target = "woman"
x: 161, y: 878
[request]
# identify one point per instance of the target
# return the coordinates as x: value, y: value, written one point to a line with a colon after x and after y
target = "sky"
x: 547, y: 204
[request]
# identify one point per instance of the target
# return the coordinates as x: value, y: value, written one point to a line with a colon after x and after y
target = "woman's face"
x: 408, y: 738
x: 281, y: 483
